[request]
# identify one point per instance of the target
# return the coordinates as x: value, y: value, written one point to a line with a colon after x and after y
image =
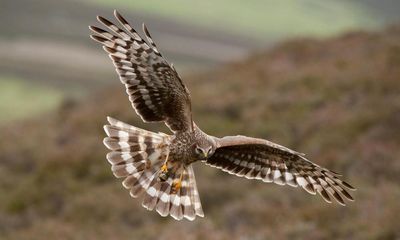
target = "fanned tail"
x: 179, y: 203
x: 137, y: 155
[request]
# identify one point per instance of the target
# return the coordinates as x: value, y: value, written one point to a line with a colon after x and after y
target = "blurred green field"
x: 259, y: 18
x: 20, y: 98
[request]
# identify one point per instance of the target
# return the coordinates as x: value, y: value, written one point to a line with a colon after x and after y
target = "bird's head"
x: 203, y: 152
x: 204, y: 149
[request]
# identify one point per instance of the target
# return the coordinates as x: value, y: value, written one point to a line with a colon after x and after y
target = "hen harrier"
x: 158, y: 166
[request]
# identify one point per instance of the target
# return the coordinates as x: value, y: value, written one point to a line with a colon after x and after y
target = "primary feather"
x: 154, y: 87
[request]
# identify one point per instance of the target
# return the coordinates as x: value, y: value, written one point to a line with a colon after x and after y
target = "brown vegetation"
x: 337, y: 100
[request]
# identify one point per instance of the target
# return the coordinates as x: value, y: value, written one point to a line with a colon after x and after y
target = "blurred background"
x: 321, y: 77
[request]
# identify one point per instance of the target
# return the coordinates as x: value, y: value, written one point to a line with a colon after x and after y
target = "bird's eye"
x: 209, y: 152
x: 198, y: 150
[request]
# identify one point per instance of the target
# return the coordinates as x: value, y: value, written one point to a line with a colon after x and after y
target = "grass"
x: 21, y: 99
x: 271, y: 19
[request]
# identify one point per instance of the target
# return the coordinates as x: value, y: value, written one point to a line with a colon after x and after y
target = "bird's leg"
x: 164, y: 169
x: 177, y: 184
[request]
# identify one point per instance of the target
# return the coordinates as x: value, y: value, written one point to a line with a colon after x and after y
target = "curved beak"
x: 205, y: 153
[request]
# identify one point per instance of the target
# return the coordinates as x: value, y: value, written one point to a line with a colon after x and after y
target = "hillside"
x: 338, y: 100
x: 44, y: 44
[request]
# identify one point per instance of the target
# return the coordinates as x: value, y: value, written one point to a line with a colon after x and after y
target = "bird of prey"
x: 158, y: 166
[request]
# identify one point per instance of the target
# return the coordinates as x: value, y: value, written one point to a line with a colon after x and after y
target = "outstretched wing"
x: 155, y: 90
x: 261, y: 159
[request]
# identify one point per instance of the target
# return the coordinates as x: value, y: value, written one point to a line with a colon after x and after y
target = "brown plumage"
x: 158, y: 166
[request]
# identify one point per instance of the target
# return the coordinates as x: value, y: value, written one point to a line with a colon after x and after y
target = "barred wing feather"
x: 155, y: 89
x: 261, y: 159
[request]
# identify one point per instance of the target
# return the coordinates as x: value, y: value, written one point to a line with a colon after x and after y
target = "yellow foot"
x: 177, y: 185
x: 164, y: 168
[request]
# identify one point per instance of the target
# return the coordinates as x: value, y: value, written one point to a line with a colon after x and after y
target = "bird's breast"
x: 181, y: 149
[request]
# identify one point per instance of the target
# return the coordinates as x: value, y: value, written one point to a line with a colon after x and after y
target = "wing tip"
x: 92, y: 28
x: 351, y: 199
x: 145, y: 29
x: 121, y: 19
x: 350, y: 187
x: 117, y: 15
x: 341, y: 203
x: 96, y: 29
x: 98, y: 39
x: 99, y: 18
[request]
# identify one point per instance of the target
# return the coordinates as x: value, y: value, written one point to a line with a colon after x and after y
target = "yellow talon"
x: 163, y: 176
x: 164, y: 168
x: 177, y: 185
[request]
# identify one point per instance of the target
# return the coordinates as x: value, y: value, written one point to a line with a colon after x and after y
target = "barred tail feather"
x: 179, y: 204
x: 137, y: 155
x: 195, y: 198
